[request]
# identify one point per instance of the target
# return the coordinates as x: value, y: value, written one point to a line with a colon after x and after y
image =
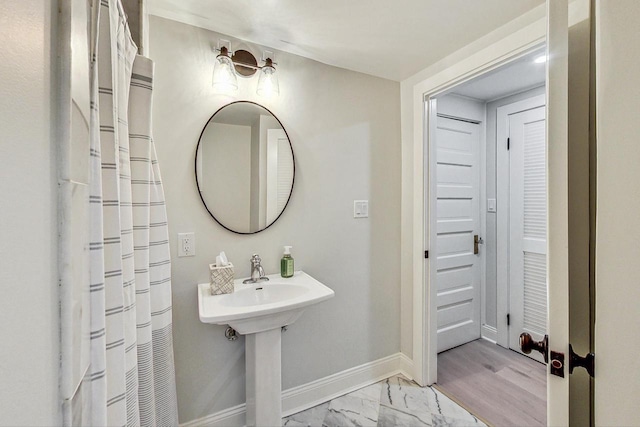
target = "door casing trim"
x: 424, y: 335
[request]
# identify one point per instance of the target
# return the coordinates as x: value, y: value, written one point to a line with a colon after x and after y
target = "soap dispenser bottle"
x: 286, y: 263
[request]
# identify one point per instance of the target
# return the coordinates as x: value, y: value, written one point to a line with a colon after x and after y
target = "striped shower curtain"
x: 131, y: 374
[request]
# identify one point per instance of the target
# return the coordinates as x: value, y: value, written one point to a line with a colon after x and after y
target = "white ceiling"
x: 511, y: 78
x: 393, y: 39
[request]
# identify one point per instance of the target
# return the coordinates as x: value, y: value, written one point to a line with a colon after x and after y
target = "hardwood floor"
x: 498, y: 385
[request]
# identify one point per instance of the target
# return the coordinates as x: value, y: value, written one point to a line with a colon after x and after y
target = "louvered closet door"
x: 285, y: 171
x: 527, y: 227
x: 279, y: 172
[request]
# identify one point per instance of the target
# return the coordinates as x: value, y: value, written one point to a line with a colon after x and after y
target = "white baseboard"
x: 316, y: 392
x: 406, y: 366
x: 308, y: 395
x: 489, y: 333
x: 234, y: 416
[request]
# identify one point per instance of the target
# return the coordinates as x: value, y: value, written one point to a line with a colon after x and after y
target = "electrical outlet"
x: 186, y: 244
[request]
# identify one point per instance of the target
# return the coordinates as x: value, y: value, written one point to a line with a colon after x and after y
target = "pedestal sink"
x: 259, y: 311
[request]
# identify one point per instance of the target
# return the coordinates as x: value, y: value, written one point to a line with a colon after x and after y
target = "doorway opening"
x: 488, y: 240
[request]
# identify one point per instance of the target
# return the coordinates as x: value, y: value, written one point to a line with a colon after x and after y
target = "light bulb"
x: 224, y: 76
x: 268, y: 82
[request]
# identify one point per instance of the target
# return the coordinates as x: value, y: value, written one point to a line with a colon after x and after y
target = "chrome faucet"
x: 257, y: 272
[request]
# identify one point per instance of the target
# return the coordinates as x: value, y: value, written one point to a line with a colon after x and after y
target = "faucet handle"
x: 255, y: 259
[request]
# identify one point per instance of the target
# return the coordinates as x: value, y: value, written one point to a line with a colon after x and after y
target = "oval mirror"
x: 244, y: 167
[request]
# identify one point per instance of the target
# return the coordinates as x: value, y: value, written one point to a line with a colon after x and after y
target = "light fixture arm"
x: 244, y: 63
x: 268, y: 63
x: 225, y: 52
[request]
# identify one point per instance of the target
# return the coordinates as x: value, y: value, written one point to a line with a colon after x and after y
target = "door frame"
x: 425, y: 318
x: 418, y: 89
x: 502, y: 214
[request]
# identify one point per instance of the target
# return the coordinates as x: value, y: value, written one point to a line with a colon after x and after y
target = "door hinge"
x: 426, y: 254
x: 508, y: 319
x: 508, y: 144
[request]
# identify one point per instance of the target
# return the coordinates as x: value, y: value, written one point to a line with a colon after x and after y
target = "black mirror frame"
x: 293, y: 157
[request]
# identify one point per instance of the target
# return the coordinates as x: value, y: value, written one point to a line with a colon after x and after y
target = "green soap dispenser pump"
x: 286, y: 263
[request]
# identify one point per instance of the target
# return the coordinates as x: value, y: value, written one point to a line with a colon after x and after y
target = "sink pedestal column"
x: 264, y: 379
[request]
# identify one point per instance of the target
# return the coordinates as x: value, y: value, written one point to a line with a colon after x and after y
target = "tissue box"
x: 221, y: 279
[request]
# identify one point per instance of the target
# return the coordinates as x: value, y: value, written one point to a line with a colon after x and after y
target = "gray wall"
x: 491, y: 283
x: 29, y: 354
x: 226, y: 173
x: 462, y: 107
x: 345, y: 131
x: 133, y: 10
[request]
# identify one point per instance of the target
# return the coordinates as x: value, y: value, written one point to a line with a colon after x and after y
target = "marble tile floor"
x: 395, y: 401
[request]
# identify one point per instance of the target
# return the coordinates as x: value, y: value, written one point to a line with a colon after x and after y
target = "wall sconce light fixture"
x: 224, y: 77
x: 268, y: 80
x: 243, y: 63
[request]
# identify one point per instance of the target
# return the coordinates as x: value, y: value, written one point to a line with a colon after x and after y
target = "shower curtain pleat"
x: 157, y: 395
x: 97, y: 381
x: 132, y: 368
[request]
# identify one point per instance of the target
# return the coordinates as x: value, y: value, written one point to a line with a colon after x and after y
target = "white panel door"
x: 558, y: 203
x: 458, y: 212
x: 617, y: 266
x: 527, y: 227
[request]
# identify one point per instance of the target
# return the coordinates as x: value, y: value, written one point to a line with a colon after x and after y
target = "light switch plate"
x: 186, y: 244
x: 360, y: 208
x: 491, y: 205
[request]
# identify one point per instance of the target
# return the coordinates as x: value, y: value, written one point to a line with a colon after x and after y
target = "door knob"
x: 527, y: 343
x: 588, y: 362
x: 477, y: 240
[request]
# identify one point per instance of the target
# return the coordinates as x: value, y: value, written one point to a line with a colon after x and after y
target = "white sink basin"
x: 257, y: 307
x: 259, y: 294
x: 259, y: 310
